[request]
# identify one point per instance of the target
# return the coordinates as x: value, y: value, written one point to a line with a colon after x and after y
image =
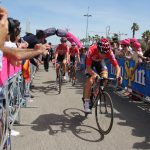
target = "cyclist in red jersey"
x: 61, y: 55
x: 95, y: 59
x: 73, y: 52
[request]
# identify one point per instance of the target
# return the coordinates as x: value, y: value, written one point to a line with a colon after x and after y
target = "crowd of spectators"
x: 26, y: 51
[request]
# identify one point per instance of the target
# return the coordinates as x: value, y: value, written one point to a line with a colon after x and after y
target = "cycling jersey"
x: 73, y: 51
x: 62, y: 49
x: 94, y: 55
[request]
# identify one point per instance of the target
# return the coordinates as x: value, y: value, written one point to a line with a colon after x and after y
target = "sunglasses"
x: 99, y: 46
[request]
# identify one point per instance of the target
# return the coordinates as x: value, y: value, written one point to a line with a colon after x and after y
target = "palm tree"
x: 146, y: 36
x: 135, y: 27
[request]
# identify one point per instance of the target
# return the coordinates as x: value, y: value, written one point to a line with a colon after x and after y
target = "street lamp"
x: 87, y: 15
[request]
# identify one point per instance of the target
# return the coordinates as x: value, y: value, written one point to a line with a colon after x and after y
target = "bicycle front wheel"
x: 104, y: 113
x: 73, y: 76
x: 60, y: 81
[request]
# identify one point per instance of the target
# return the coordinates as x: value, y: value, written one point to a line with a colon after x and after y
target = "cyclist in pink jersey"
x: 95, y: 59
x: 61, y: 55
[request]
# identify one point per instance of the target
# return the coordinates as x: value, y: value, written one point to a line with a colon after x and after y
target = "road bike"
x: 60, y: 77
x: 72, y: 73
x: 101, y: 101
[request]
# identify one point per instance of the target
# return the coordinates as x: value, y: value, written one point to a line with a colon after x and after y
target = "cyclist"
x: 73, y: 52
x: 61, y: 55
x: 95, y: 59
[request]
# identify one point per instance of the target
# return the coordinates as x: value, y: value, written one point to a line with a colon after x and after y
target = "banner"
x: 138, y: 80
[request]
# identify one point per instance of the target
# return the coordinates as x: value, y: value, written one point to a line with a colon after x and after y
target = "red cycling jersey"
x: 62, y: 49
x: 94, y: 55
x: 73, y: 51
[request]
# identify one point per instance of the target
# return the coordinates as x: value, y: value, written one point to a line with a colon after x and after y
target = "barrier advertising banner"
x: 138, y: 80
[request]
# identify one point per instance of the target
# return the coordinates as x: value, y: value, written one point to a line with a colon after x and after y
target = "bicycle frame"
x: 98, y: 88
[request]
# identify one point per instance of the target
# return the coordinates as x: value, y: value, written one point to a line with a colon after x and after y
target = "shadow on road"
x: 131, y: 115
x: 72, y: 120
x: 49, y: 89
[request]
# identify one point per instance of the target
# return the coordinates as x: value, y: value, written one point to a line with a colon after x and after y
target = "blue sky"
x: 117, y: 14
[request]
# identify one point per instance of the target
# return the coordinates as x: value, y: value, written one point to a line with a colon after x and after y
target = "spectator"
x: 47, y: 58
x: 125, y: 51
x: 15, y: 53
x: 147, y: 52
x: 137, y: 55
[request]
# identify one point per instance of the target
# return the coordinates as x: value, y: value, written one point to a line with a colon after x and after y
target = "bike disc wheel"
x: 104, y: 113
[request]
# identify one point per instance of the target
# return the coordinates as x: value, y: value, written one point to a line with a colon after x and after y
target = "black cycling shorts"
x: 72, y: 59
x: 99, y: 66
x: 60, y: 58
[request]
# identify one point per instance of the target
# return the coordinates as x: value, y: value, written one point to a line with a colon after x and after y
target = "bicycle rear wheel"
x: 104, y: 113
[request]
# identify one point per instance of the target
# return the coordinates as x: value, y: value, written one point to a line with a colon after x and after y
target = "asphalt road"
x: 57, y: 122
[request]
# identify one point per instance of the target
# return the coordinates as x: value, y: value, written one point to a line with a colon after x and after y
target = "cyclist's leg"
x: 58, y: 65
x: 74, y: 67
x: 87, y: 93
x: 72, y: 60
x: 103, y: 72
x: 64, y: 66
x: 69, y: 68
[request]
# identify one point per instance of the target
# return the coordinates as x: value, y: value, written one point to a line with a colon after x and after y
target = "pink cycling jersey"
x: 94, y: 55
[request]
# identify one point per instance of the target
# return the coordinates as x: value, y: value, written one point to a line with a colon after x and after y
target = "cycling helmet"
x: 63, y: 40
x: 103, y: 45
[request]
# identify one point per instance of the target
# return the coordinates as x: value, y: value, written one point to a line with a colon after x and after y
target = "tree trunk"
x: 133, y: 33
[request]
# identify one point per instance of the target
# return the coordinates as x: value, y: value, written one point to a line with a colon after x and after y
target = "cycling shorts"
x: 60, y: 58
x: 100, y: 68
x: 72, y: 59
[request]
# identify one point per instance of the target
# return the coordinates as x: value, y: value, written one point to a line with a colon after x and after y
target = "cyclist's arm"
x: 67, y: 54
x: 56, y: 55
x: 117, y: 68
x: 78, y: 54
x: 90, y: 71
x: 114, y: 62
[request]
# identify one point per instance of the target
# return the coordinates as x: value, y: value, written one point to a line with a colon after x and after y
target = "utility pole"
x: 28, y: 30
x: 87, y: 22
x: 107, y: 31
